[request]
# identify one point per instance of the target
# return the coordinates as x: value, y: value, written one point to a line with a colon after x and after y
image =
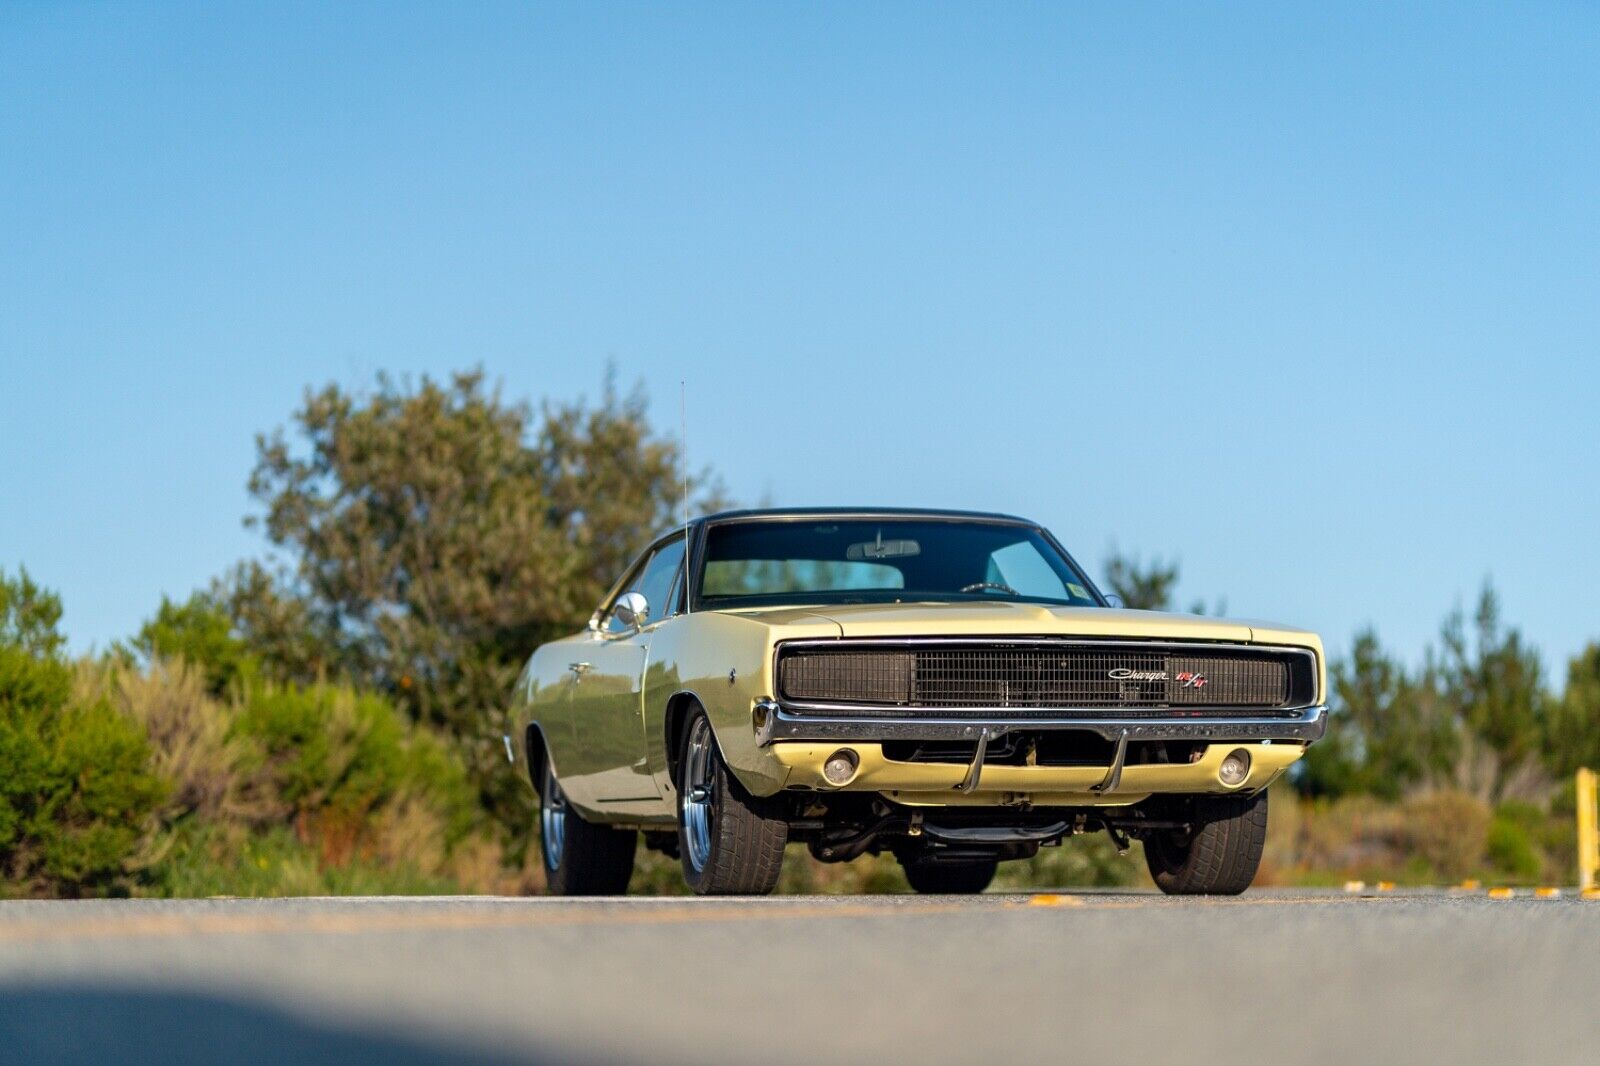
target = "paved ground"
x: 1275, y: 977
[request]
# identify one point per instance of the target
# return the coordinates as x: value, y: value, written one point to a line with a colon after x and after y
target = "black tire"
x: 1219, y: 856
x: 581, y: 858
x: 949, y: 878
x: 730, y: 842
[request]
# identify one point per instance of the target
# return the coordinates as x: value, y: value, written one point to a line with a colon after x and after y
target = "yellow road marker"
x: 1050, y: 899
x: 1502, y: 893
x: 1547, y: 892
x: 1355, y: 886
x: 1471, y: 884
x: 1385, y: 886
x: 1590, y: 893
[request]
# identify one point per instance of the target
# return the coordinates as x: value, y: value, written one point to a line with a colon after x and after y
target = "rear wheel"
x: 580, y: 858
x: 1219, y: 855
x: 730, y: 842
x: 950, y: 878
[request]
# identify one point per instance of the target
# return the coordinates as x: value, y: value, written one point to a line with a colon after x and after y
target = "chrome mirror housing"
x: 632, y: 608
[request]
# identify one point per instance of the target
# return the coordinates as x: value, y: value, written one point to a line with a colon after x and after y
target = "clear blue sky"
x: 1310, y: 300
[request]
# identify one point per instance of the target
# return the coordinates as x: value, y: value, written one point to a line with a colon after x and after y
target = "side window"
x: 654, y: 581
x: 655, y: 584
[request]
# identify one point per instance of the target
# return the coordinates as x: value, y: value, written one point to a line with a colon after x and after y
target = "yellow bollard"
x: 1588, y: 838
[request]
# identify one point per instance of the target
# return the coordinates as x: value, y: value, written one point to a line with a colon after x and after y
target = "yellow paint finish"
x: 936, y: 783
x: 606, y: 731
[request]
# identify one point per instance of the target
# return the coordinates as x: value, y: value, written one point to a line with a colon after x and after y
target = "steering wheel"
x: 985, y: 586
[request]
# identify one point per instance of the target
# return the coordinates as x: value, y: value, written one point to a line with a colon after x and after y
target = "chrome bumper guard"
x: 1302, y: 727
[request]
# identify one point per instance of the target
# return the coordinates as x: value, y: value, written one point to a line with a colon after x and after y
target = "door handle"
x: 580, y: 668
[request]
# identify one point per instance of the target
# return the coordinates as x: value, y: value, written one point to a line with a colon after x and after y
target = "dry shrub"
x: 190, y: 739
x: 1448, y: 830
x: 479, y: 864
x: 1437, y: 835
x: 407, y: 831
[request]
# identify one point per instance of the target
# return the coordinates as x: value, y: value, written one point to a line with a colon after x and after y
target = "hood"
x: 1022, y: 619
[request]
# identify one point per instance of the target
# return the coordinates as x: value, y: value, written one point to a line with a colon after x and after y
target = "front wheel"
x: 731, y: 842
x: 1219, y: 855
x: 580, y: 858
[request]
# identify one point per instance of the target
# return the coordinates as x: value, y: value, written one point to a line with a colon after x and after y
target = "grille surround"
x: 1033, y: 677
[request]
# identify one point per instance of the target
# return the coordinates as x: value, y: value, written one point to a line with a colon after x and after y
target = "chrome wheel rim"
x: 552, y: 820
x: 698, y: 800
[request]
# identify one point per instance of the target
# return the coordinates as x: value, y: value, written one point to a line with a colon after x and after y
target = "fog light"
x: 840, y: 767
x: 1235, y: 768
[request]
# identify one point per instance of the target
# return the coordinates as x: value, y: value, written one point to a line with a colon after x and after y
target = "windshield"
x: 750, y: 564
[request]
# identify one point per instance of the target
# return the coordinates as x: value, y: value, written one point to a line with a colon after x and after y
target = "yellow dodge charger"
x: 946, y: 686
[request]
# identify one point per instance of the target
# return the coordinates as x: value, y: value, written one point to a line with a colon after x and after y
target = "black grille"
x: 1049, y: 676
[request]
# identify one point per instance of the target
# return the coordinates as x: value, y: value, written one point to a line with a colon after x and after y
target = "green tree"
x: 1387, y: 735
x: 1572, y: 740
x: 198, y: 631
x: 1491, y: 682
x: 28, y: 617
x: 1141, y: 587
x: 1150, y: 587
x: 431, y: 536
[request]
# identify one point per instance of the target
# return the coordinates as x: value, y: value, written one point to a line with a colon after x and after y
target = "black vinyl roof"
x: 859, y: 512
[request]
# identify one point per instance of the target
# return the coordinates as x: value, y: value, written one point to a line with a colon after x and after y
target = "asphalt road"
x: 1272, y: 977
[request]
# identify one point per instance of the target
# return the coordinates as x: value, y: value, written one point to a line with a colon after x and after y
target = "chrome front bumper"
x: 776, y: 723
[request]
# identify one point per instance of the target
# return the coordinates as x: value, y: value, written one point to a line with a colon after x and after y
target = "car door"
x: 607, y: 771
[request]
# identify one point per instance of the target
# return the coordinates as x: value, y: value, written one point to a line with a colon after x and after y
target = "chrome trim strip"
x: 1306, y: 726
x: 1149, y: 645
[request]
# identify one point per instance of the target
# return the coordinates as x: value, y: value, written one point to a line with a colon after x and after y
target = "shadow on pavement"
x: 55, y: 1024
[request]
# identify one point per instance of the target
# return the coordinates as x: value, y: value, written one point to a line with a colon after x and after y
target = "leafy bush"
x: 335, y: 758
x: 200, y: 633
x: 77, y: 793
x: 1512, y: 851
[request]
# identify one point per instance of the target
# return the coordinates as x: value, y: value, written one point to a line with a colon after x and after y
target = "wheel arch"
x: 680, y: 705
x: 537, y: 752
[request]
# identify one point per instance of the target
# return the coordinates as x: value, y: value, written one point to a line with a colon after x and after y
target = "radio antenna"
x: 683, y: 443
x: 683, y: 457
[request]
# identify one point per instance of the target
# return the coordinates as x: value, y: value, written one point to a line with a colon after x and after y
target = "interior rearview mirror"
x: 882, y: 549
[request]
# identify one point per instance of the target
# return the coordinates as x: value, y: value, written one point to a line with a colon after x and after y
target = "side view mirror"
x: 1113, y: 600
x: 632, y: 608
